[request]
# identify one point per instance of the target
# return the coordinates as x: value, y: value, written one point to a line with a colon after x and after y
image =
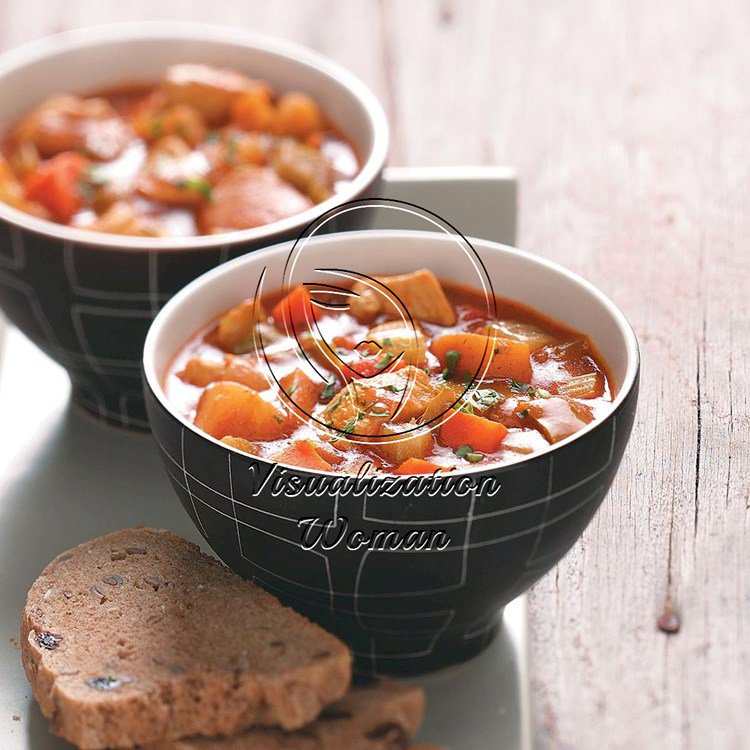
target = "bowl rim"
x: 153, y: 379
x: 102, y: 34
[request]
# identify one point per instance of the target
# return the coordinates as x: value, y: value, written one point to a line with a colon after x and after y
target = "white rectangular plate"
x: 64, y: 478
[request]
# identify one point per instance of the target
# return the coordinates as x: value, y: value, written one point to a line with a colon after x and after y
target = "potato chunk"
x: 404, y: 445
x: 397, y: 338
x: 230, y: 409
x: 363, y: 406
x: 236, y: 331
x: 250, y: 197
x: 208, y: 89
x: 202, y: 372
x: 528, y: 333
x: 420, y: 293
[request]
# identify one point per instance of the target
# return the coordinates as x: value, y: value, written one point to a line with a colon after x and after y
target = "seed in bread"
x: 138, y: 637
x: 382, y: 716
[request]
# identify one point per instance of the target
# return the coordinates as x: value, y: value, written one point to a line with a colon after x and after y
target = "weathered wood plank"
x: 628, y: 123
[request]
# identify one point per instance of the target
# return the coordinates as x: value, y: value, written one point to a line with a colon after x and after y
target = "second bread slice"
x: 138, y: 637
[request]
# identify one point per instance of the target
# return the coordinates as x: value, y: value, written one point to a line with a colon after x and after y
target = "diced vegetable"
x: 241, y: 445
x: 517, y: 330
x: 236, y: 331
x: 305, y: 168
x: 418, y: 466
x: 302, y: 453
x: 396, y: 338
x: 404, y: 445
x: 179, y: 119
x: 56, y: 184
x: 502, y: 358
x: 301, y: 390
x: 232, y: 409
x: 419, y: 292
x: 201, y: 372
x: 208, y: 89
x: 556, y: 418
x: 253, y: 110
x: 297, y: 115
x: 461, y: 428
x: 590, y: 385
x: 294, y: 310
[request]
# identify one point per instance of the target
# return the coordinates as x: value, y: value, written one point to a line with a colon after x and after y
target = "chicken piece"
x: 363, y: 406
x: 174, y: 174
x: 69, y: 123
x: 208, y: 89
x: 416, y: 443
x: 179, y: 119
x: 230, y: 409
x: 397, y: 338
x: 236, y: 331
x: 555, y: 418
x: 202, y: 372
x: 305, y: 168
x: 12, y: 193
x: 250, y: 197
x: 420, y: 294
x: 122, y: 218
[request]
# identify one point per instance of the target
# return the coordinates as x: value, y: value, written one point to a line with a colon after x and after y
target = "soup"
x: 405, y: 374
x: 206, y: 151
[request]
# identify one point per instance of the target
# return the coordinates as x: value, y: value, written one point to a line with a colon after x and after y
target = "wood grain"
x: 628, y: 123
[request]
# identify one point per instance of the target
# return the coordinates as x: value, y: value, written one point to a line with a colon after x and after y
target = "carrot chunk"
x: 294, y: 309
x: 469, y: 429
x: 232, y: 409
x: 503, y: 358
x: 55, y: 184
x: 418, y: 466
x: 304, y: 454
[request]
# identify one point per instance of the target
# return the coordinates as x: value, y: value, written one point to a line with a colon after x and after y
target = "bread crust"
x: 138, y: 637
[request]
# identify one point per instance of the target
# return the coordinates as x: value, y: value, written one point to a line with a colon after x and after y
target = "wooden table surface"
x: 629, y: 124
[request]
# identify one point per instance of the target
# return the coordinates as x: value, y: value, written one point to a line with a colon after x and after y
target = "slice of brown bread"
x: 138, y: 637
x: 382, y: 716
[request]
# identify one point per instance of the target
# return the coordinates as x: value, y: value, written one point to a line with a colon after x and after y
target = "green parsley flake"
x: 451, y: 361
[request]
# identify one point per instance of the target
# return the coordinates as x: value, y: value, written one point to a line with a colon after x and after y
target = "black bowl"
x: 403, y: 610
x: 87, y: 299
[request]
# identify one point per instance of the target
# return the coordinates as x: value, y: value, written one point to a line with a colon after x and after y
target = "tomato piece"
x: 55, y: 184
x: 295, y: 309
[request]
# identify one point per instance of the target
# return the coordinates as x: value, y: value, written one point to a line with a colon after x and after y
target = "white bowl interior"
x: 515, y: 275
x: 98, y: 57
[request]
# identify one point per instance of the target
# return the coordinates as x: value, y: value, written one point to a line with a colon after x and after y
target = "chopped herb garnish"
x: 451, y: 360
x: 335, y: 405
x: 474, y: 457
x: 280, y: 420
x: 350, y: 425
x: 487, y: 397
x: 522, y: 414
x: 463, y: 450
x: 328, y: 391
x: 394, y: 388
x: 387, y: 341
x: 518, y: 387
x: 292, y: 389
x: 155, y: 127
x: 466, y: 407
x: 387, y: 359
x: 467, y: 379
x: 212, y: 137
x: 198, y: 184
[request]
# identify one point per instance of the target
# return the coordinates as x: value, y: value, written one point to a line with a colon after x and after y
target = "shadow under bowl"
x: 404, y: 610
x: 87, y: 299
